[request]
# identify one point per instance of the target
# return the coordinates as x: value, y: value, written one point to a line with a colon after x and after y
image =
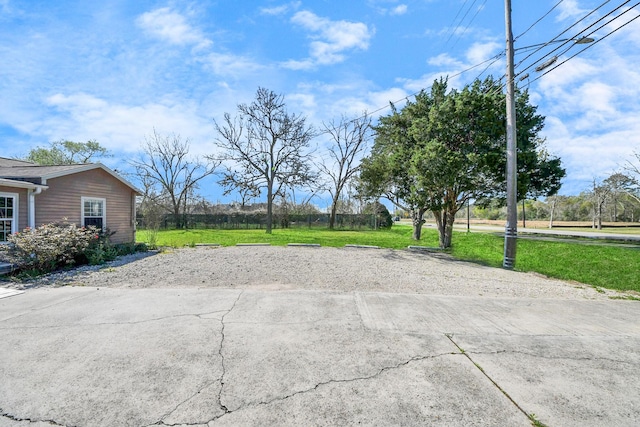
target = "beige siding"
x: 23, y: 212
x: 63, y: 200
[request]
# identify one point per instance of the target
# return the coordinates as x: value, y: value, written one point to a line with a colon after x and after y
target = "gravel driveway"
x: 319, y: 268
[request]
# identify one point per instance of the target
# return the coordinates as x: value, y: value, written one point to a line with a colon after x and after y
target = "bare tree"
x: 633, y: 173
x: 167, y: 172
x: 264, y: 147
x: 633, y: 166
x: 599, y: 196
x: 350, y: 139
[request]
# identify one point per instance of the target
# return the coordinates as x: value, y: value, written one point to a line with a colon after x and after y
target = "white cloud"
x: 225, y: 64
x: 305, y: 102
x: 172, y: 27
x: 120, y: 127
x: 331, y: 39
x: 444, y: 59
x: 385, y: 9
x: 480, y: 52
x: 399, y: 10
x: 632, y: 30
x: 588, y: 156
x: 450, y: 68
x: 591, y: 108
x: 292, y: 64
x: 280, y: 10
x: 570, y: 9
x: 569, y: 73
x: 374, y: 102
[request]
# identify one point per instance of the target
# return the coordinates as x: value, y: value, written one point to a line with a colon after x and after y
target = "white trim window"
x: 94, y: 212
x: 8, y: 215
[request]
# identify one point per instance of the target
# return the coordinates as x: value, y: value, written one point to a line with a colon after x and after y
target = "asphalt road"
x: 601, y: 235
x: 227, y: 357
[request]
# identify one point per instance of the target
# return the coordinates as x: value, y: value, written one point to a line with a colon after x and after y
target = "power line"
x: 538, y: 21
x: 497, y: 57
x: 460, y: 23
x: 572, y: 41
x: 481, y: 7
x: 454, y: 20
x: 563, y: 32
x: 597, y: 41
x: 493, y: 58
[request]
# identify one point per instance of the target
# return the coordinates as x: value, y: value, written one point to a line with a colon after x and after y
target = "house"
x: 84, y: 194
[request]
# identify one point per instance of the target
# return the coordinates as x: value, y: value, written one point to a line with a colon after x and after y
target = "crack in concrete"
x: 503, y: 391
x: 184, y: 402
x: 379, y: 372
x: 220, y: 348
x: 363, y: 378
x: 210, y: 383
x: 30, y: 420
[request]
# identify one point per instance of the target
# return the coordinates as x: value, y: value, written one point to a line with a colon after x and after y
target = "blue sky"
x: 115, y: 70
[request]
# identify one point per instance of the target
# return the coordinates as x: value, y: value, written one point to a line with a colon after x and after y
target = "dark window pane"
x: 96, y: 222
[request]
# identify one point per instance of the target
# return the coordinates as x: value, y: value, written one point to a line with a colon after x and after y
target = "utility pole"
x: 511, y: 228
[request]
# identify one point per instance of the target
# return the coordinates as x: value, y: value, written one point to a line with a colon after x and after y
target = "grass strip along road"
x: 608, y: 267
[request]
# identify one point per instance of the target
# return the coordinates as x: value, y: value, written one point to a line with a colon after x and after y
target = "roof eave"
x: 21, y: 184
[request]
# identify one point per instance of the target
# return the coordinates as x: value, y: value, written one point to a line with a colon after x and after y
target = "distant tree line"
x: 613, y: 200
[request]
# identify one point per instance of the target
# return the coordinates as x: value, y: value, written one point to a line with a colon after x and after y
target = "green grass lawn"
x: 602, y: 266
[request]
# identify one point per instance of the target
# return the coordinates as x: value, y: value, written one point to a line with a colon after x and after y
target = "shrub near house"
x: 59, y: 245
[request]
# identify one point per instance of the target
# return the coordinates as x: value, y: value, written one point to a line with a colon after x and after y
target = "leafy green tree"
x: 382, y: 216
x: 67, y: 153
x: 385, y: 171
x: 448, y: 147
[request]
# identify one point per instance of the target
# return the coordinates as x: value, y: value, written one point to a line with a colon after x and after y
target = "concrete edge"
x: 425, y: 248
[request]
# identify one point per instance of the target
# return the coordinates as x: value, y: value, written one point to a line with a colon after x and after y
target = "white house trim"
x: 16, y: 213
x: 104, y: 209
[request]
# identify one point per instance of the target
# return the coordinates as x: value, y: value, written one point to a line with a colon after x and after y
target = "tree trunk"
x: 332, y: 216
x: 417, y: 221
x: 440, y: 222
x: 444, y: 220
x: 176, y: 216
x: 553, y: 208
x: 269, y: 207
x: 599, y: 217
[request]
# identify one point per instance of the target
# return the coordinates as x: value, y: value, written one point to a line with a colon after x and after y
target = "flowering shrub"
x: 100, y: 250
x: 49, y: 246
